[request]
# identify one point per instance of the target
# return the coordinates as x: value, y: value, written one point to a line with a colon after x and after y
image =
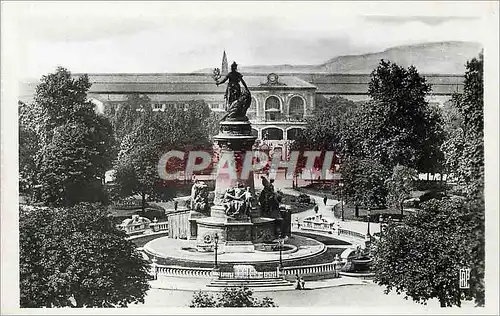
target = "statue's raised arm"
x: 237, y: 103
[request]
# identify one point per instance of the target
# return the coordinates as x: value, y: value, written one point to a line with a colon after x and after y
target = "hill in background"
x: 436, y: 58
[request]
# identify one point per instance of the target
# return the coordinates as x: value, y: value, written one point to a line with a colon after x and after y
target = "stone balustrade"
x: 161, y: 226
x: 350, y: 233
x: 183, y: 271
x: 314, y: 269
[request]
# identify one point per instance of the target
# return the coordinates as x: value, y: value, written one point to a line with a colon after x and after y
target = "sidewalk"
x: 200, y: 284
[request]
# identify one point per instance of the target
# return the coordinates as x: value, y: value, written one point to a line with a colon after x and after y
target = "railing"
x: 156, y: 227
x: 350, y: 233
x: 183, y: 271
x: 337, y: 231
x: 323, y: 268
x: 178, y: 271
x: 251, y: 276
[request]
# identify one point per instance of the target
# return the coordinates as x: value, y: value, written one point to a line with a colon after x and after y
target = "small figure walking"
x: 325, y: 199
x: 299, y: 283
x: 176, y: 203
x: 316, y: 209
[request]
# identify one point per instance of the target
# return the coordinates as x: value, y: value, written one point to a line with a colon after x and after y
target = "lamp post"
x: 380, y: 220
x: 368, y: 220
x: 154, y: 269
x: 341, y: 184
x: 336, y: 262
x: 280, y: 243
x: 216, y: 241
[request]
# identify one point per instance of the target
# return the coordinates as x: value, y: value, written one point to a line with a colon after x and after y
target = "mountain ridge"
x: 447, y: 57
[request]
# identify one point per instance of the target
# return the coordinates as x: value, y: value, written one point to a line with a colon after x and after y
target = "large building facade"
x: 280, y: 102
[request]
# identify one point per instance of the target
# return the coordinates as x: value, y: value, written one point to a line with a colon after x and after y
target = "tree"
x: 464, y: 153
x: 323, y: 130
x: 400, y: 185
x: 126, y: 114
x: 398, y: 126
x: 154, y: 134
x: 364, y: 181
x: 73, y: 144
x: 29, y: 146
x: 464, y: 148
x: 230, y: 297
x: 77, y: 257
x: 422, y: 257
x: 74, y: 163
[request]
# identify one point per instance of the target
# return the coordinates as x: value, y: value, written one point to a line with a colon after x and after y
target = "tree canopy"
x: 65, y: 144
x: 230, y: 297
x: 76, y: 257
x: 423, y: 256
x: 154, y: 134
x: 400, y: 185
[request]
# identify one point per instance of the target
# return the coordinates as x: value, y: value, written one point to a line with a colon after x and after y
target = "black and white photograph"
x: 225, y: 157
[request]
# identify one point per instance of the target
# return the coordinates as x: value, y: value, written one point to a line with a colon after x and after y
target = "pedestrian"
x: 299, y: 284
x: 316, y: 209
x: 303, y: 284
x: 325, y: 199
x: 176, y: 203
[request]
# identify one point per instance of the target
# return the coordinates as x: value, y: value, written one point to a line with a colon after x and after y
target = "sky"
x: 97, y: 37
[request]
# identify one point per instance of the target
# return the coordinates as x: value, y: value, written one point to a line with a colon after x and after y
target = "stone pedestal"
x: 240, y: 232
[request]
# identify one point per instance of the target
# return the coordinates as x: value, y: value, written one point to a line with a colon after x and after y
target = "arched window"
x: 272, y: 133
x: 296, y: 108
x: 273, y: 109
x: 294, y: 133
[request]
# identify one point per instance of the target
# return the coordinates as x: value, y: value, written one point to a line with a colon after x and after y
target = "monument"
x: 238, y: 218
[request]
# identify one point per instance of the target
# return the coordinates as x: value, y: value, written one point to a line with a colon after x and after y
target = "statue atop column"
x: 237, y: 103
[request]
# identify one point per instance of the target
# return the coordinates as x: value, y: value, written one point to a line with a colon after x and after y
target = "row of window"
x: 273, y: 133
x: 273, y: 109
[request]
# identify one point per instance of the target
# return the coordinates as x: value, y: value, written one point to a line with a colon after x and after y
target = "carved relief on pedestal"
x: 237, y: 201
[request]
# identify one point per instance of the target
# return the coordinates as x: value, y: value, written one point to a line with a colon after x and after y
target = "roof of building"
x: 202, y: 83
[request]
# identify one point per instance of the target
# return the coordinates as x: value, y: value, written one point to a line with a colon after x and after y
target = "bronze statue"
x: 237, y: 103
x: 199, y: 197
x: 268, y: 199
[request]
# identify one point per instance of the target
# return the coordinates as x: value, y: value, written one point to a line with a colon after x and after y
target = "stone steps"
x: 273, y: 282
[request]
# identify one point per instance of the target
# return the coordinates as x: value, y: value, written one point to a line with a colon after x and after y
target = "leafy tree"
x: 126, y: 114
x: 364, y: 181
x: 231, y: 297
x: 77, y: 257
x: 73, y: 144
x: 74, y: 163
x: 29, y: 146
x: 400, y: 185
x: 154, y: 134
x: 323, y: 130
x: 422, y: 257
x: 464, y: 152
x: 464, y: 147
x: 399, y: 126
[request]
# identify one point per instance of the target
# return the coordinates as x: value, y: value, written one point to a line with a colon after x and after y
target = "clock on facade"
x: 272, y: 78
